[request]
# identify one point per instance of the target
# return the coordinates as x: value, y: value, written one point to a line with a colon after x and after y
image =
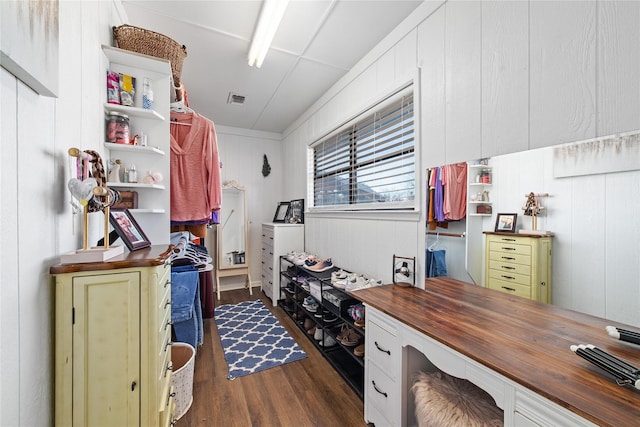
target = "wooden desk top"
x: 152, y: 256
x: 523, y: 340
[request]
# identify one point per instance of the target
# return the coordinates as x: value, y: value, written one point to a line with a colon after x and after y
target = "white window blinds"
x: 370, y: 163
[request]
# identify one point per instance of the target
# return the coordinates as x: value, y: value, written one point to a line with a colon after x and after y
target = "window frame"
x: 385, y: 209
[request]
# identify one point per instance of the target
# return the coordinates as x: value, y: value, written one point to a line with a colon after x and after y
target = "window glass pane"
x: 371, y: 162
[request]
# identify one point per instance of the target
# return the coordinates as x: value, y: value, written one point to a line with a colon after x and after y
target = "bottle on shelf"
x: 133, y: 174
x: 147, y: 94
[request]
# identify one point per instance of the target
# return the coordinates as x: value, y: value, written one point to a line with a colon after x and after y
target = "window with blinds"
x: 370, y: 162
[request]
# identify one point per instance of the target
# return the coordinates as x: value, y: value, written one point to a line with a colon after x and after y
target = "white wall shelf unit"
x: 153, y: 213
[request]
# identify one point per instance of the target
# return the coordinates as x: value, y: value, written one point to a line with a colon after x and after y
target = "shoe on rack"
x: 352, y: 339
x: 311, y: 330
x: 306, y: 287
x: 321, y: 265
x: 312, y: 308
x: 344, y: 330
x: 318, y: 334
x: 338, y: 275
x: 329, y: 316
x: 328, y: 341
x: 359, y: 350
x: 308, y: 323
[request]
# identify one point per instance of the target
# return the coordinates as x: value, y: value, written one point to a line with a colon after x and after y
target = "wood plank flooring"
x: 307, y: 392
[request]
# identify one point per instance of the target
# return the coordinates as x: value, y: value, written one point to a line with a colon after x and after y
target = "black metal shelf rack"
x: 341, y: 357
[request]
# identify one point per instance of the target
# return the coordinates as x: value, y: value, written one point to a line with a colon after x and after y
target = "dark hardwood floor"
x: 307, y: 392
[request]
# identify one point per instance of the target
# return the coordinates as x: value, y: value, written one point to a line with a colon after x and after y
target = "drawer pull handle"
x: 378, y: 390
x: 507, y: 248
x: 270, y: 253
x: 167, y: 345
x: 169, y: 323
x: 508, y: 289
x: 507, y: 277
x: 510, y: 258
x: 271, y: 268
x: 167, y: 283
x: 133, y: 385
x: 506, y: 267
x: 382, y: 349
x: 169, y: 396
x: 169, y: 368
x: 168, y: 303
x: 506, y: 239
x: 270, y: 237
x: 174, y: 422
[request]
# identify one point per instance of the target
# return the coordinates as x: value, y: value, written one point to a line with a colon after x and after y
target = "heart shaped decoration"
x: 82, y: 190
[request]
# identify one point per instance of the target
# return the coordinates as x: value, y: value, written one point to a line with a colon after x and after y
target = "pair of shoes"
x: 329, y: 316
x: 305, y: 286
x: 356, y: 312
x: 311, y: 330
x: 310, y: 304
x: 328, y: 341
x: 299, y: 315
x: 351, y: 338
x: 308, y: 323
x: 318, y: 334
x: 359, y: 350
x: 320, y: 266
x: 338, y: 275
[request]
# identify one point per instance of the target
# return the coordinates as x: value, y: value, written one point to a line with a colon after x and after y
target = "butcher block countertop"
x: 523, y: 340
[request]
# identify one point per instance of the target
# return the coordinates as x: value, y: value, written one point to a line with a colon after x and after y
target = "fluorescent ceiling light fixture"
x: 270, y: 17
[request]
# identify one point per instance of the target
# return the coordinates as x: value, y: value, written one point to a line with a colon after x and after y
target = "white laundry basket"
x: 183, y: 356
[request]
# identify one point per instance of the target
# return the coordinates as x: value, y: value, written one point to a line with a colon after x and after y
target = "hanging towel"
x: 436, y: 265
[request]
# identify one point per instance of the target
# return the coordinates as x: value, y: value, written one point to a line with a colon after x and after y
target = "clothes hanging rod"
x: 437, y: 233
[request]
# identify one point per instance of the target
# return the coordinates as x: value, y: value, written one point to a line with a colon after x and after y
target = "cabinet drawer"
x: 510, y: 267
x: 381, y: 347
x: 510, y: 248
x: 267, y: 238
x: 167, y: 407
x: 164, y: 365
x: 510, y: 257
x: 510, y: 277
x: 510, y: 288
x: 381, y: 392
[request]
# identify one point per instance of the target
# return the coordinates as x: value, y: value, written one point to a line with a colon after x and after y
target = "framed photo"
x: 128, y: 229
x: 282, y: 212
x: 506, y: 222
x: 296, y: 212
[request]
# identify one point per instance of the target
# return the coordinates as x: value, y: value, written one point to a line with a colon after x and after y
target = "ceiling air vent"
x: 235, y: 99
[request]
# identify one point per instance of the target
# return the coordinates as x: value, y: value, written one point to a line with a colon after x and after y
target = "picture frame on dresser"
x: 128, y: 229
x: 296, y: 212
x: 282, y: 212
x: 506, y: 222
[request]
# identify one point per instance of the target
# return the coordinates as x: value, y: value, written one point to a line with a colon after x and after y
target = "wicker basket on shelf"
x: 150, y: 43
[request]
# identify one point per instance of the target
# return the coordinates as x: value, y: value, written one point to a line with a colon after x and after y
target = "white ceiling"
x: 316, y: 44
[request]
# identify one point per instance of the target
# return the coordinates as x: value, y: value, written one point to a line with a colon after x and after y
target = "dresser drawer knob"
x: 382, y: 349
x: 377, y: 389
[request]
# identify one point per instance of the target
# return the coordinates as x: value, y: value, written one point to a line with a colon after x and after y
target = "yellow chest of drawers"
x: 519, y: 264
x: 113, y: 341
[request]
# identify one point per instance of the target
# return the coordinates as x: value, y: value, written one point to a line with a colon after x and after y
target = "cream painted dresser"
x: 277, y: 239
x: 113, y: 341
x: 519, y: 264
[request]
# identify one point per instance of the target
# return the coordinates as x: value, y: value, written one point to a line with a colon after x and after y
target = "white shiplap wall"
x: 496, y: 78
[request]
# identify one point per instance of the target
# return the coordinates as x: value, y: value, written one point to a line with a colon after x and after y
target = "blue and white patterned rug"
x: 252, y: 338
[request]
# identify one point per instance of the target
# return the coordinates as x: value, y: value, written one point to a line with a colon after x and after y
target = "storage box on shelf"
x: 152, y: 212
x: 330, y: 318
